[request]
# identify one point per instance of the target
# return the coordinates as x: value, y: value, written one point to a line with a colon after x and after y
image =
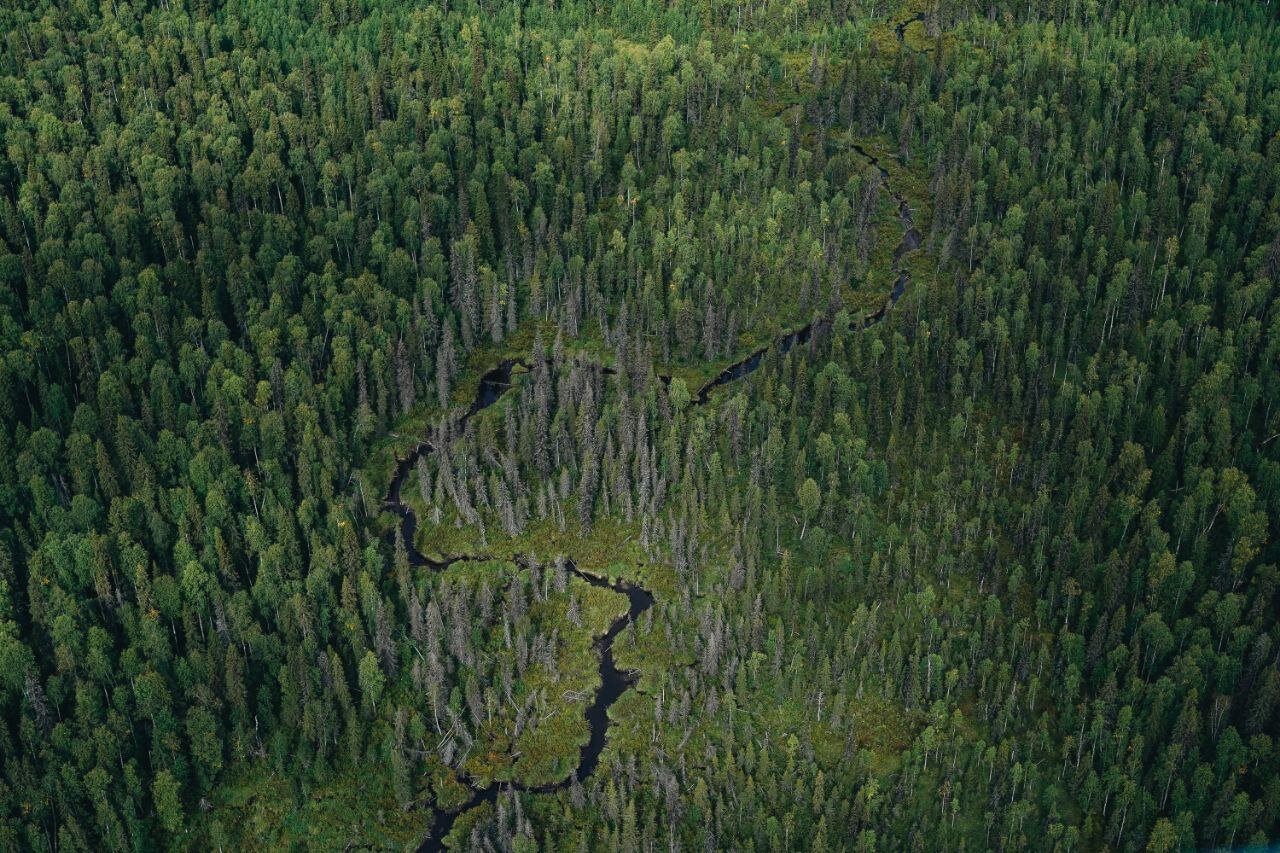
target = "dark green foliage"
x: 997, y: 572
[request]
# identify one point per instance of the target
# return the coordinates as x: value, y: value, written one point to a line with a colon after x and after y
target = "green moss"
x: 548, y: 747
x: 258, y: 810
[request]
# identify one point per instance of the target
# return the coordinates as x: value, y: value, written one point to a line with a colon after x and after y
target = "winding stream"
x: 613, y: 681
x: 911, y: 240
x: 493, y: 385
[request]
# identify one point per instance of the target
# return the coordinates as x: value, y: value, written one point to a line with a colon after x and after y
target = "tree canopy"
x: 358, y: 359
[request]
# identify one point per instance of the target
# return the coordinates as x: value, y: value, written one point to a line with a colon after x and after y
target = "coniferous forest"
x: 639, y: 425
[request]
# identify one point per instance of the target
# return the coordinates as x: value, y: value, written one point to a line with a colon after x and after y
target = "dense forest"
x: 658, y: 424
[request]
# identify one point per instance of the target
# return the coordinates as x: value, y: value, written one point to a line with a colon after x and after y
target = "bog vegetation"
x: 997, y: 572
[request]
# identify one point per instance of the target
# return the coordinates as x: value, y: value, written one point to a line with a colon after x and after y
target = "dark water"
x: 492, y: 386
x: 739, y: 369
x: 911, y: 240
x: 901, y: 29
x: 613, y: 681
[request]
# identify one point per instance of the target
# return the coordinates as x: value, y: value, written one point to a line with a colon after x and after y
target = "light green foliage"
x: 168, y: 800
x: 371, y: 680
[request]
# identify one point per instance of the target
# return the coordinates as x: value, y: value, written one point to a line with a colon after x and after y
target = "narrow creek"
x: 911, y: 240
x: 613, y: 681
x: 493, y: 385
